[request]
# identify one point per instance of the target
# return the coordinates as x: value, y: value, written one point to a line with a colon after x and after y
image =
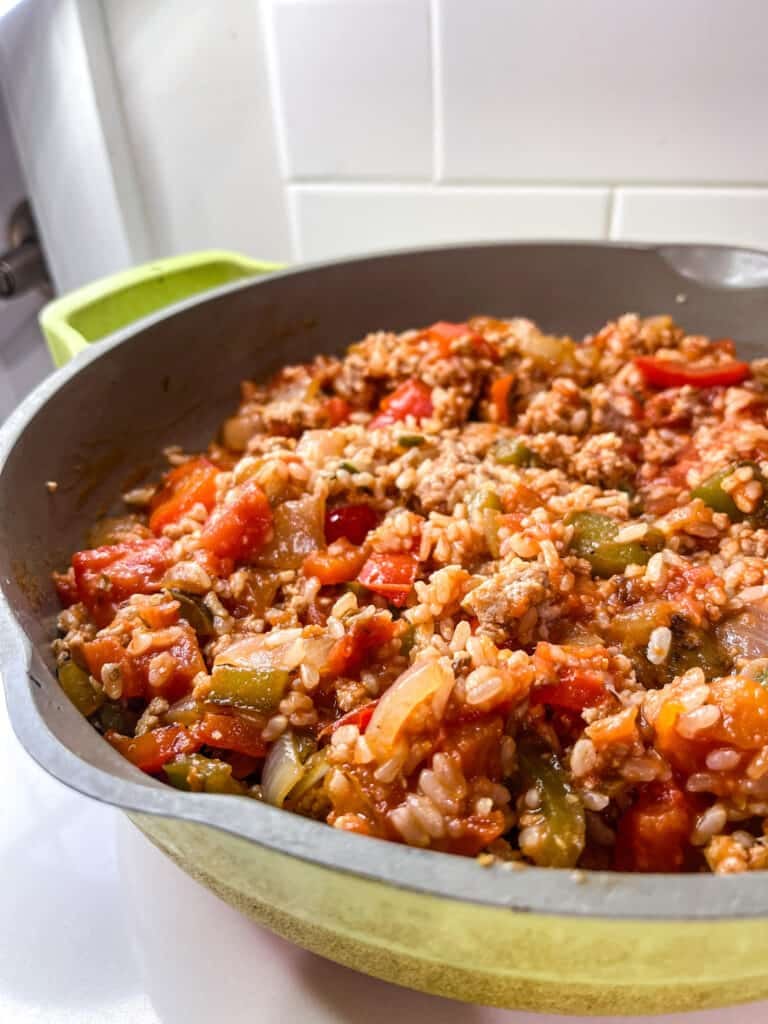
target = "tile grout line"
x: 539, y: 184
x: 437, y: 91
x: 266, y: 9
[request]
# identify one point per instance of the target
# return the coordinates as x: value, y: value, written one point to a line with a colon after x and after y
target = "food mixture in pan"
x: 472, y: 587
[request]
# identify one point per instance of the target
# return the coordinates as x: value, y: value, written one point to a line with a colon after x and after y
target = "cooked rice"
x: 502, y: 594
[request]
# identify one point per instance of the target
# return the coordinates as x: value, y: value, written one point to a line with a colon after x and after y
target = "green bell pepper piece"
x: 410, y: 440
x: 510, y: 451
x: 194, y: 611
x: 261, y: 689
x: 594, y: 539
x: 560, y: 807
x: 712, y: 494
x: 198, y: 774
x: 75, y: 682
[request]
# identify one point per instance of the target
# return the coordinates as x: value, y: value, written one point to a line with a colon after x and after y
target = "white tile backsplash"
x: 355, y: 87
x: 738, y: 216
x: 337, y: 220
x: 596, y: 91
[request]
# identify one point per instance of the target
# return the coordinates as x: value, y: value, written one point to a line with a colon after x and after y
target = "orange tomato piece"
x: 391, y: 574
x: 155, y: 748
x: 241, y: 527
x: 190, y: 484
x: 338, y: 563
x: 653, y: 833
x: 743, y: 704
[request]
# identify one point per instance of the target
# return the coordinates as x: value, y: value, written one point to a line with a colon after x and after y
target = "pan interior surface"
x: 101, y: 422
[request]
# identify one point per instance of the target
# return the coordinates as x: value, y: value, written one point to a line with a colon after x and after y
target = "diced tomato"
x: 411, y: 398
x: 653, y: 833
x: 478, y: 830
x: 242, y: 764
x: 445, y: 333
x: 232, y: 732
x: 66, y: 587
x: 360, y: 717
x: 574, y: 686
x: 576, y: 689
x: 478, y: 743
x: 159, y: 614
x: 349, y: 653
x: 337, y: 410
x: 391, y: 574
x: 187, y: 663
x: 108, y: 575
x: 155, y: 748
x: 668, y: 373
x: 107, y: 650
x: 339, y: 563
x: 500, y: 392
x: 351, y: 521
x: 183, y: 650
x: 191, y: 483
x: 241, y: 527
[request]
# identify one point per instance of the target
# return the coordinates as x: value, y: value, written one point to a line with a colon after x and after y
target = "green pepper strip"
x: 559, y: 805
x: 512, y: 452
x: 712, y: 494
x: 198, y: 774
x: 75, y: 682
x: 259, y: 688
x: 594, y: 539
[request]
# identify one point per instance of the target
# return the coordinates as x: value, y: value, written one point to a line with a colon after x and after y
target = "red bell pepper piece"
x: 240, y: 527
x: 500, y: 391
x: 411, y: 398
x: 108, y: 575
x: 351, y: 521
x: 191, y: 483
x: 155, y: 748
x: 666, y: 373
x: 391, y: 574
x: 349, y: 653
x: 360, y: 717
x: 337, y: 410
x: 232, y: 732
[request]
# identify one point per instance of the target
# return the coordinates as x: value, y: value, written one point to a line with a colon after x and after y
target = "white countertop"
x: 98, y: 927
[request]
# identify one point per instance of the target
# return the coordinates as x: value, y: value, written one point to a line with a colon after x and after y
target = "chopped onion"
x: 298, y: 530
x: 282, y: 770
x: 745, y: 635
x: 317, y: 446
x: 314, y: 771
x: 280, y: 648
x: 426, y: 685
x: 186, y: 711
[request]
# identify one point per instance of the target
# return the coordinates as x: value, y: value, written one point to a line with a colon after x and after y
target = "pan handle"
x: 73, y: 321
